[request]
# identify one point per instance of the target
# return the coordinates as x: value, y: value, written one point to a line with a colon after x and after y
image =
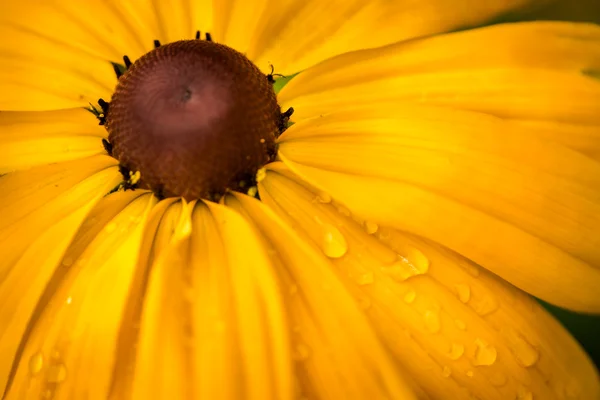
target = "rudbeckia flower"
x: 174, y: 229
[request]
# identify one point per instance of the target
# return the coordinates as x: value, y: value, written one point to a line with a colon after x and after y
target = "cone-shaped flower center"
x: 195, y: 118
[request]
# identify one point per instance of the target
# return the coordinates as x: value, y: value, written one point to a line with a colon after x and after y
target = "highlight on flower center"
x: 235, y: 199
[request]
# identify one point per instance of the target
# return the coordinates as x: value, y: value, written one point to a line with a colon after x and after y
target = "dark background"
x: 585, y: 328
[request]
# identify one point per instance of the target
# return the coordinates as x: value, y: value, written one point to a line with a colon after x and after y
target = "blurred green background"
x: 585, y: 328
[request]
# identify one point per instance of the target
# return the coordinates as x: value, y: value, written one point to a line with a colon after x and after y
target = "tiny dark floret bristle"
x: 117, y: 70
x: 127, y: 61
x: 208, y: 37
x: 156, y: 43
x: 197, y: 35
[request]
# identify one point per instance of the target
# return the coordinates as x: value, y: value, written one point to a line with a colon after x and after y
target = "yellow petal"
x: 170, y: 21
x: 59, y: 54
x: 296, y: 34
x: 337, y: 354
x: 459, y: 331
x: 34, y: 200
x: 534, y: 72
x: 30, y: 139
x: 67, y: 349
x: 211, y: 324
x: 525, y: 209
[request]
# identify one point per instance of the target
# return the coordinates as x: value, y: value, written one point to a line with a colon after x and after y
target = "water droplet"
x: 403, y: 269
x: 572, y: 390
x: 365, y: 279
x: 460, y: 324
x: 69, y: 300
x: 364, y: 303
x: 524, y: 394
x: 36, y: 363
x: 471, y: 269
x: 371, y: 227
x: 57, y: 373
x: 432, y: 321
x: 446, y: 371
x: 344, y: 211
x: 110, y: 227
x: 485, y: 354
x: 498, y: 379
x: 456, y: 351
x: 410, y: 296
x: 323, y: 197
x: 67, y: 261
x: 301, y: 352
x: 261, y: 174
x: 485, y: 305
x: 524, y: 352
x: 463, y: 292
x: 334, y: 243
x: 470, y: 373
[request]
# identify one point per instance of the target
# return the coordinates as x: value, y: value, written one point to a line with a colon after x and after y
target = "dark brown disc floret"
x: 195, y: 118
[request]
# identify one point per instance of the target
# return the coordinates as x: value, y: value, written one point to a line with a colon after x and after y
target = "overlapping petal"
x: 211, y: 317
x: 72, y: 316
x: 60, y: 52
x: 524, y: 208
x: 539, y: 75
x: 295, y: 34
x: 458, y: 330
x: 336, y: 351
x: 31, y: 139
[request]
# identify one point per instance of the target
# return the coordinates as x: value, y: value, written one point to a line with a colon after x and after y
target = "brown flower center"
x: 195, y: 118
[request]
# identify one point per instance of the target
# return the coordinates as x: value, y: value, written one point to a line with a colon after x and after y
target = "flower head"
x: 301, y: 200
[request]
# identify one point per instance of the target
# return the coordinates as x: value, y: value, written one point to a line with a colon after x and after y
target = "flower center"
x: 195, y: 118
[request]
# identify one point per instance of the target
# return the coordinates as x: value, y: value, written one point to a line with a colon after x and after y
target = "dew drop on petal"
x: 464, y: 292
x: 410, y: 296
x: 371, y: 227
x: 403, y: 269
x: 36, y: 363
x: 69, y: 300
x: 110, y: 227
x: 301, y: 352
x: 365, y: 278
x: 485, y: 354
x: 524, y: 394
x: 460, y: 324
x: 67, y: 261
x: 470, y: 373
x: 333, y: 242
x: 344, y: 211
x: 525, y: 354
x: 323, y: 197
x: 446, y: 371
x: 432, y: 321
x: 456, y: 351
x: 485, y: 305
x: 471, y: 269
x: 57, y: 373
x: 498, y: 379
x: 364, y: 303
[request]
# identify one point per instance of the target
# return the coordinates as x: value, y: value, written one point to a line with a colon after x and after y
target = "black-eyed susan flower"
x: 370, y: 232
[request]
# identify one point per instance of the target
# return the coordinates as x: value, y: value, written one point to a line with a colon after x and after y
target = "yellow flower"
x: 429, y: 181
